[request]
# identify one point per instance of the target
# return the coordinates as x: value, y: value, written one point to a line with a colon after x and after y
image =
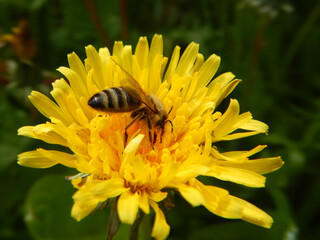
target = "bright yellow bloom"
x: 136, y: 173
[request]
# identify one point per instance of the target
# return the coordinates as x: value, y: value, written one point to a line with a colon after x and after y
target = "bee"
x: 131, y: 98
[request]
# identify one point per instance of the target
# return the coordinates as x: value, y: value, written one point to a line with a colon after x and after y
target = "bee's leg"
x: 137, y: 117
x: 161, y: 134
x: 150, y: 133
x: 154, y: 137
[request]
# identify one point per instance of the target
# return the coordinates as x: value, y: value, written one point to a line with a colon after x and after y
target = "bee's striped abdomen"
x: 115, y: 99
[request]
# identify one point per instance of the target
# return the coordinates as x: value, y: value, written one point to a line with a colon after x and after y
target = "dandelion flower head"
x: 140, y: 174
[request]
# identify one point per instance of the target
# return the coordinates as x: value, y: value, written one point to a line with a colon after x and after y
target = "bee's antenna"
x: 167, y: 120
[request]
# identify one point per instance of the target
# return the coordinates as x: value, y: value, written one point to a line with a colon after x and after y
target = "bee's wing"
x: 134, y: 89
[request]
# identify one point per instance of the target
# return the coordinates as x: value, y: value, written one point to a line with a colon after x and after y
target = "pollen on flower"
x: 157, y: 132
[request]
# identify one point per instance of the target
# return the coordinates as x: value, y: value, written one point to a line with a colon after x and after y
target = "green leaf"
x: 47, y: 213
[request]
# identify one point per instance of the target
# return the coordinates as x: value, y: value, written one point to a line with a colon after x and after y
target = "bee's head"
x: 162, y: 122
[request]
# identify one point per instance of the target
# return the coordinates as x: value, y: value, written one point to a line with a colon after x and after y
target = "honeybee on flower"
x: 129, y: 98
x: 120, y: 156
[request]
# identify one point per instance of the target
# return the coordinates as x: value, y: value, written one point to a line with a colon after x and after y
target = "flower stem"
x: 134, y: 230
x: 114, y: 222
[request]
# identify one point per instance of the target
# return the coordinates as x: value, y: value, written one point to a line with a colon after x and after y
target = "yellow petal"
x: 132, y: 147
x: 237, y: 155
x: 156, y: 47
x: 225, y: 123
x: 219, y: 202
x: 235, y: 136
x: 128, y: 206
x: 46, y: 132
x: 27, y: 131
x: 251, y: 213
x: 144, y: 202
x: 117, y: 48
x: 160, y: 229
x: 154, y: 74
x: 107, y: 68
x: 208, y: 69
x: 51, y: 132
x: 65, y: 98
x: 108, y: 188
x: 187, y: 59
x: 163, y: 67
x: 126, y: 59
x: 84, y: 204
x: 41, y: 158
x: 255, y: 125
x: 140, y: 170
x: 92, y: 86
x: 76, y: 82
x: 95, y: 62
x: 169, y: 170
x: 142, y: 51
x: 190, y: 194
x: 77, y: 66
x: 158, y: 196
x: 225, y: 91
x: 47, y: 107
x: 191, y: 171
x: 198, y: 64
x: 261, y: 165
x: 237, y: 175
x: 104, y: 54
x: 192, y: 87
x: 173, y: 64
x: 129, y: 152
x: 222, y: 79
x: 231, y: 121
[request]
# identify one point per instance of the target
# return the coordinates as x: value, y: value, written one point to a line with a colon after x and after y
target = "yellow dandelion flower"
x: 133, y: 162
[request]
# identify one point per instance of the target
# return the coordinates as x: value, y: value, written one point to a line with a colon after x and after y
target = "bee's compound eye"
x: 96, y: 102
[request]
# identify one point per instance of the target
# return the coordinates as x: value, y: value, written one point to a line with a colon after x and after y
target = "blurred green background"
x: 273, y: 46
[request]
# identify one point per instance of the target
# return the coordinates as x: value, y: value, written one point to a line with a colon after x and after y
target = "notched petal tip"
x: 25, y: 131
x: 89, y: 47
